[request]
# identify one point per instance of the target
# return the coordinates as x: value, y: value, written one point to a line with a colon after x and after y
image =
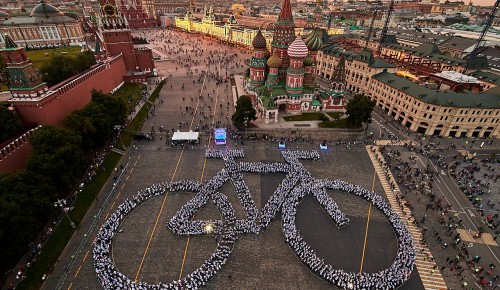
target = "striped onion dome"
x: 298, y: 48
x: 274, y: 61
x: 313, y: 40
x: 308, y: 61
x: 259, y: 41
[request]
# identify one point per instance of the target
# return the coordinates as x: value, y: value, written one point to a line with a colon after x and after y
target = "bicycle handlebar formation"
x: 297, y: 184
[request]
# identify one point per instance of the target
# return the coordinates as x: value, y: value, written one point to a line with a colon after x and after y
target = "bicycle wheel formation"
x: 297, y: 184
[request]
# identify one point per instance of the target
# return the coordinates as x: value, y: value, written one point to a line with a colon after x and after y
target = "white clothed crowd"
x: 285, y: 199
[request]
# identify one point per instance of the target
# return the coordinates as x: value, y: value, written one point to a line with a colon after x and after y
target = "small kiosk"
x: 220, y: 136
x: 281, y: 144
x: 323, y: 145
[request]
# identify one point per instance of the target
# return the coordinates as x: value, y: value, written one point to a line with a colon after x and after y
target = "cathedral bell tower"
x: 284, y: 35
x: 24, y: 79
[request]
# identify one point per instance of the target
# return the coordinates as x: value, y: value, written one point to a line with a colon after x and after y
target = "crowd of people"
x: 207, y: 100
x: 285, y: 199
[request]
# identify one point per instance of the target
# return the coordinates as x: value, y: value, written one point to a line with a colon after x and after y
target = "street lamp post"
x: 118, y: 128
x: 246, y: 120
x: 62, y: 204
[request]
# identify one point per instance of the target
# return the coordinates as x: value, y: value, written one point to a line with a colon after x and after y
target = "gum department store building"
x: 453, y: 100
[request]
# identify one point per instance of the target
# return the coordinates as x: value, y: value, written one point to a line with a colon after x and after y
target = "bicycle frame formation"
x: 297, y: 184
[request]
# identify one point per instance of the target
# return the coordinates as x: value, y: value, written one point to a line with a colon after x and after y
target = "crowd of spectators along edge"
x: 286, y: 198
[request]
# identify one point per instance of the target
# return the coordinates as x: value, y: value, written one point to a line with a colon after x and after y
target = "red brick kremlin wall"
x: 14, y: 152
x: 72, y: 94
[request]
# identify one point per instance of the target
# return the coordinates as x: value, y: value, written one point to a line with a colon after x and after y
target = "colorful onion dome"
x: 259, y: 41
x: 308, y: 61
x: 298, y: 48
x: 274, y: 61
x: 313, y: 40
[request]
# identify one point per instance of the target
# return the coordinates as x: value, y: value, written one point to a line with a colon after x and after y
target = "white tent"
x: 185, y: 136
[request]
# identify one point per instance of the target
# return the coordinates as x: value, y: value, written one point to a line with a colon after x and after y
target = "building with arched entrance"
x: 437, y: 113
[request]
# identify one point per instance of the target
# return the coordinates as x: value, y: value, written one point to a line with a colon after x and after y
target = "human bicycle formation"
x: 297, y: 184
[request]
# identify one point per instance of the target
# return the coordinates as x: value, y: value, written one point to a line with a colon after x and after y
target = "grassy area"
x: 41, y: 56
x: 304, y: 117
x: 341, y: 123
x: 63, y: 232
x: 136, y: 124
x: 335, y: 115
x: 130, y: 93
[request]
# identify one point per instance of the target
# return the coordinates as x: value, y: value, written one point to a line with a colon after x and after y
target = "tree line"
x: 53, y: 169
x: 61, y: 67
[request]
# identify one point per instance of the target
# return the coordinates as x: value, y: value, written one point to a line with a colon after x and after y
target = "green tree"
x: 61, y: 67
x: 359, y: 110
x: 244, y: 110
x: 25, y: 207
x: 83, y: 125
x: 96, y: 121
x: 57, y: 158
x: 10, y: 124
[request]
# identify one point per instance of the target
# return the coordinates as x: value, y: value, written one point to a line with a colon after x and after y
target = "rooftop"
x: 445, y: 99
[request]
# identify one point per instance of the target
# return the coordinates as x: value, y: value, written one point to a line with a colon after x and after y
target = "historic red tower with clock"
x: 115, y: 38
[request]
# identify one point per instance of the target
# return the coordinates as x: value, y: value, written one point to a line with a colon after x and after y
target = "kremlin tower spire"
x: 284, y: 35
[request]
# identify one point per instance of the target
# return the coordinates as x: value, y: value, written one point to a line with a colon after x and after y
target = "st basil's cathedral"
x: 283, y: 79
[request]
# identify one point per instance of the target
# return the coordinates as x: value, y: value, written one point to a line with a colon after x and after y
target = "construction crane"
x: 487, y: 25
x: 383, y: 34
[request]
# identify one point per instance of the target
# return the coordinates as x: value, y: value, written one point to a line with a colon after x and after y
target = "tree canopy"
x: 61, y: 67
x: 10, y: 124
x: 359, y: 110
x: 244, y: 109
x: 57, y: 157
x: 95, y: 122
x: 56, y: 163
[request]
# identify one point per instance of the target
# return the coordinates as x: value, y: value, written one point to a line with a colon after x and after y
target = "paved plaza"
x: 262, y: 261
x: 145, y: 250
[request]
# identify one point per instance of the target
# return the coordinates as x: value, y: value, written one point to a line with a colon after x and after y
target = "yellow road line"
x: 201, y: 179
x: 86, y: 254
x: 78, y: 271
x: 367, y: 225
x: 106, y: 217
x: 157, y: 219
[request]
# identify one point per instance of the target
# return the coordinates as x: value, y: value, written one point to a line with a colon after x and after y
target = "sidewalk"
x: 426, y: 266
